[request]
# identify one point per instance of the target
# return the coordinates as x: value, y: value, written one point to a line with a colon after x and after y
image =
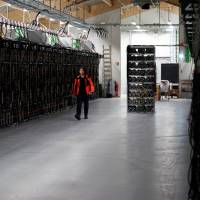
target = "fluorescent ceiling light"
x: 69, y: 25
x: 51, y: 19
x: 85, y: 31
x: 169, y: 22
x: 138, y: 27
x: 140, y: 30
x: 62, y: 22
x: 9, y: 5
x: 103, y: 23
x: 134, y: 23
x: 25, y: 10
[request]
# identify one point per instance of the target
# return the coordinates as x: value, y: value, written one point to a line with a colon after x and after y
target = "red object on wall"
x: 116, y: 89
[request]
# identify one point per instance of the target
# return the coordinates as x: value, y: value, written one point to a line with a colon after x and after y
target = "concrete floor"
x: 111, y: 156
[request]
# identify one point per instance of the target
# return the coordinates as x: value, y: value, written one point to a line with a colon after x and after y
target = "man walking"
x: 82, y: 88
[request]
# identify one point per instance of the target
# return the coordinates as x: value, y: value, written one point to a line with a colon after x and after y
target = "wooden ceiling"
x: 84, y: 9
x: 87, y: 8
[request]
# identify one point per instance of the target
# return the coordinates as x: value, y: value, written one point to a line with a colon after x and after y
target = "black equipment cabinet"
x: 37, y: 79
x: 170, y: 72
x: 141, y: 78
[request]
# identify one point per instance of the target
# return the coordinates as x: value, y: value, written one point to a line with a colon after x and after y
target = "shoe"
x: 77, y: 117
x: 86, y: 117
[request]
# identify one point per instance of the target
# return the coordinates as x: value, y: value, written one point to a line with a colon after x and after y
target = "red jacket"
x: 89, y: 86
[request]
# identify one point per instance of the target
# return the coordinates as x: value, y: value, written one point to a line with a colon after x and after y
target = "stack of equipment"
x: 141, y: 75
x: 37, y: 79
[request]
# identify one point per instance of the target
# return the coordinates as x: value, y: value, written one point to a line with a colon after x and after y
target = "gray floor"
x: 111, y: 156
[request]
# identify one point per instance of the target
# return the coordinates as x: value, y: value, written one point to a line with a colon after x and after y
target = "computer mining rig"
x: 141, y: 78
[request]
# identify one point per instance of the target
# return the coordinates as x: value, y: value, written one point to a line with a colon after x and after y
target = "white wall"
x: 108, y: 17
x: 113, y: 39
x: 153, y: 36
x: 120, y: 38
x: 163, y: 54
x: 186, y: 71
x: 152, y: 17
x: 99, y: 43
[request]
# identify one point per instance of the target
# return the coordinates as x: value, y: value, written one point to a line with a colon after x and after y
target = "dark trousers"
x: 82, y: 99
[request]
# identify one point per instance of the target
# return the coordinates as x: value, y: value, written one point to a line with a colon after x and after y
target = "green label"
x: 187, y: 55
x: 76, y: 44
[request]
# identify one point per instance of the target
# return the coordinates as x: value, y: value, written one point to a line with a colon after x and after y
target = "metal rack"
x: 37, y: 79
x: 141, y: 76
x: 24, y: 27
x: 191, y: 17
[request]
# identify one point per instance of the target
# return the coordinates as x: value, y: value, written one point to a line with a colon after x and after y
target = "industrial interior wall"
x: 113, y: 39
x: 153, y: 16
x: 149, y: 38
x: 99, y: 42
x: 154, y: 36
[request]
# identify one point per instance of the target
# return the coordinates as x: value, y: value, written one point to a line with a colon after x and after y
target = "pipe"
x: 128, y: 25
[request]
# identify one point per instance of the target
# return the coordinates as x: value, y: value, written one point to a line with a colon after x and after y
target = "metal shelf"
x: 141, y: 95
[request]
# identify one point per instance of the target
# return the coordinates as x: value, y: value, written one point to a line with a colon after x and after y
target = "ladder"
x: 107, y: 70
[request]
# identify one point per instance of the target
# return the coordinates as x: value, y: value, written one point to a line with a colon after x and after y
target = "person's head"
x: 82, y: 71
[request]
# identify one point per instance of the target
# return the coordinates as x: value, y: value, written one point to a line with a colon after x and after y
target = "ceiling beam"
x: 85, y: 9
x: 122, y: 4
x: 108, y: 2
x: 98, y: 9
x: 173, y: 2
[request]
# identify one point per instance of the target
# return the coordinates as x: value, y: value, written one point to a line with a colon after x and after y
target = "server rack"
x: 141, y: 76
x: 36, y: 79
